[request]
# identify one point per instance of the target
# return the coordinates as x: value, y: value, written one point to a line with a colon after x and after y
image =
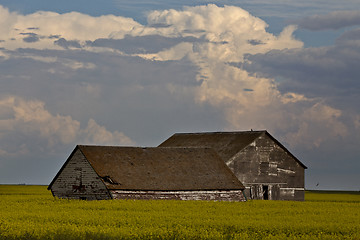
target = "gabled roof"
x: 135, y: 168
x: 226, y: 144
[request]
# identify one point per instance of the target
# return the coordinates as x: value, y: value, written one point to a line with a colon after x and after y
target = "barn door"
x: 265, y: 192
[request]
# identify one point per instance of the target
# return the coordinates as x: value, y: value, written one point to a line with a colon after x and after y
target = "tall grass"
x: 30, y: 212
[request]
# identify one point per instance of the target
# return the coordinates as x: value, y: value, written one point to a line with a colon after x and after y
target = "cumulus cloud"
x: 213, y: 39
x: 43, y: 25
x: 97, y: 134
x: 246, y: 99
x: 334, y: 20
x: 229, y: 30
x: 30, y: 120
x: 202, y: 68
x: 315, y: 121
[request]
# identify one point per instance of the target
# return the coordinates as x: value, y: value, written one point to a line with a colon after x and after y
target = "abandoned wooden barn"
x: 265, y: 167
x: 104, y: 172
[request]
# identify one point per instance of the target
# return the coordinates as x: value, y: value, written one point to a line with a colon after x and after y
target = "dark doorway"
x: 266, y: 192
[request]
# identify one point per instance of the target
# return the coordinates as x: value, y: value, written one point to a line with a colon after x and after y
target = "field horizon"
x: 31, y: 212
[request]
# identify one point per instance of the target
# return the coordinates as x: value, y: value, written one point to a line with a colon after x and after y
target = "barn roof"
x: 226, y: 144
x: 135, y: 168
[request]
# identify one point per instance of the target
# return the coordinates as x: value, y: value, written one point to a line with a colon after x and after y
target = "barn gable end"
x: 268, y: 170
x: 78, y: 180
x: 265, y: 167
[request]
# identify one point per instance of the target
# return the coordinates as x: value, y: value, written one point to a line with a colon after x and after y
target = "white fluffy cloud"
x: 202, y: 68
x: 30, y: 120
x: 41, y: 29
x: 214, y: 39
x: 248, y: 101
x: 229, y: 32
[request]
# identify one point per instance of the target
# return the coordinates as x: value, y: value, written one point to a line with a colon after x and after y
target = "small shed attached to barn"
x: 266, y: 168
x: 104, y: 172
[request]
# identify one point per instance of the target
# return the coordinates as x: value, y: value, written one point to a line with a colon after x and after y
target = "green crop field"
x: 30, y: 212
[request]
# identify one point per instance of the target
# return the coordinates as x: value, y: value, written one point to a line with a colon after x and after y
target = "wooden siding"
x: 216, y: 195
x: 268, y: 171
x: 78, y: 180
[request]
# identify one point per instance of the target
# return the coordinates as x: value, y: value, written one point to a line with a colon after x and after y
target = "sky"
x: 132, y: 73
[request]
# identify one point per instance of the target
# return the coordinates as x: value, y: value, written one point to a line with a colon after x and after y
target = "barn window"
x: 109, y: 180
x: 82, y: 198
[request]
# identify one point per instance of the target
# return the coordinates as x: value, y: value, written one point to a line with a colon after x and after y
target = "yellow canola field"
x: 30, y: 212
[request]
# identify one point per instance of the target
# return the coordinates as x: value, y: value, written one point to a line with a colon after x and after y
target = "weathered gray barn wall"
x: 231, y: 195
x: 265, y: 167
x: 78, y: 180
x: 268, y: 171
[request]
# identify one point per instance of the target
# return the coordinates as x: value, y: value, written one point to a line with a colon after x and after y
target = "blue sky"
x: 135, y: 72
